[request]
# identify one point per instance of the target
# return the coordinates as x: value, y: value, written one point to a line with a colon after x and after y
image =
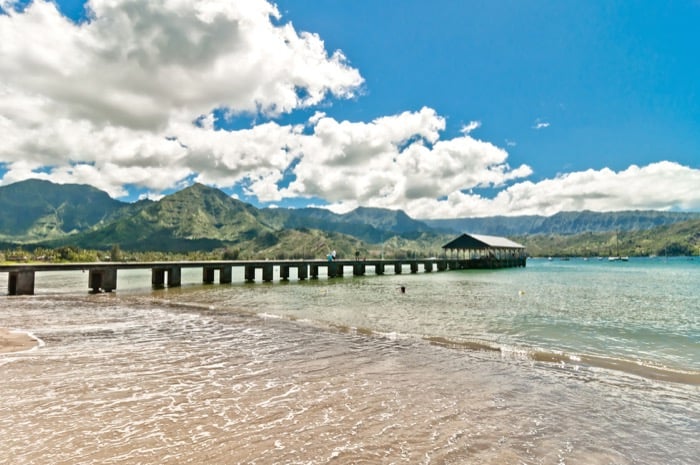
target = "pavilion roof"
x: 480, y: 241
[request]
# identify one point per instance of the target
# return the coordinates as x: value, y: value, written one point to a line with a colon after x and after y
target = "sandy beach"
x: 11, y: 341
x: 340, y: 370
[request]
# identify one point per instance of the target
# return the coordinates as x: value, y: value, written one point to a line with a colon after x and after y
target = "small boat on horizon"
x: 617, y: 258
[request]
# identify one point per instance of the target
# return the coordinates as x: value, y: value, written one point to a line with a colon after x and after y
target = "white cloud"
x: 141, y: 64
x: 658, y: 186
x: 113, y: 93
x: 470, y: 127
x: 540, y: 124
x: 392, y: 161
x: 111, y: 102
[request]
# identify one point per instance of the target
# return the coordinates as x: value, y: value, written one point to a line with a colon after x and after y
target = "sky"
x: 443, y: 109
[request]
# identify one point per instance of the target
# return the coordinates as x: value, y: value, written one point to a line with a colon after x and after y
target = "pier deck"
x: 102, y: 276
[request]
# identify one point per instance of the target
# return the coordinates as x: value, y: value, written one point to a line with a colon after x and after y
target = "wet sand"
x: 15, y: 341
x: 133, y: 380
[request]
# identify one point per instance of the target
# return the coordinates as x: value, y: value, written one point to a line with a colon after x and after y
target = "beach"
x: 354, y: 371
x: 15, y: 341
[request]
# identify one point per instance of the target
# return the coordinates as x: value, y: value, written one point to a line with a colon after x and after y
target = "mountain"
x: 679, y: 238
x: 195, y: 218
x: 320, y: 219
x: 36, y: 209
x: 562, y: 223
x: 396, y: 221
x: 372, y: 225
x: 201, y: 218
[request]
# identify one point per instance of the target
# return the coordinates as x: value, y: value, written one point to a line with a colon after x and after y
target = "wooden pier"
x: 102, y: 276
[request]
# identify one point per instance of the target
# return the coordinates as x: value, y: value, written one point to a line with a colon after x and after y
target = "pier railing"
x: 102, y: 276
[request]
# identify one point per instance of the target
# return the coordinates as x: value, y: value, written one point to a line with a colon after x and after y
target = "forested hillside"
x: 201, y: 218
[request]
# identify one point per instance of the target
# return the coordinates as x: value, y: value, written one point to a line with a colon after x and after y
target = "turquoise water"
x: 642, y: 315
x: 561, y: 362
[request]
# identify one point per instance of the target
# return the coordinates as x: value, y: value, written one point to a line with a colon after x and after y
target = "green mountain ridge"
x: 565, y: 223
x: 679, y: 238
x: 202, y: 218
x: 372, y: 225
x: 195, y: 218
x: 38, y: 210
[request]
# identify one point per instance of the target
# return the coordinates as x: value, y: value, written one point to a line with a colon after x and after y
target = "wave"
x: 18, y: 346
x: 576, y: 361
x: 573, y: 361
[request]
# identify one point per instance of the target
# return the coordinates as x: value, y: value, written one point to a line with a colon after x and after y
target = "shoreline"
x: 16, y: 341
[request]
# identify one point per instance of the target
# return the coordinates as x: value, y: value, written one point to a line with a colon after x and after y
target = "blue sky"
x: 442, y: 109
x: 618, y: 82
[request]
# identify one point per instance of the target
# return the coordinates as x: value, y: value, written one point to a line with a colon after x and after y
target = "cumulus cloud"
x: 657, y: 186
x: 141, y: 64
x: 114, y: 93
x: 131, y: 97
x: 393, y: 161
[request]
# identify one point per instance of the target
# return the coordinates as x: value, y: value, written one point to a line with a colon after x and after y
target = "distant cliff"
x: 565, y: 223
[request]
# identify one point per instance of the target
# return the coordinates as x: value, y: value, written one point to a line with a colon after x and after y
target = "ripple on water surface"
x: 131, y: 380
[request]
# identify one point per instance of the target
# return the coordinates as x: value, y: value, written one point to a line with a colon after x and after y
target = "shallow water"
x: 353, y: 371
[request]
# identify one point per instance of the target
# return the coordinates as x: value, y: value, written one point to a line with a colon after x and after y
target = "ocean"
x: 562, y: 362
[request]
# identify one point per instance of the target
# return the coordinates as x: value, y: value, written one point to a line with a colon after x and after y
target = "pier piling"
x: 102, y: 276
x: 21, y: 283
x: 102, y: 279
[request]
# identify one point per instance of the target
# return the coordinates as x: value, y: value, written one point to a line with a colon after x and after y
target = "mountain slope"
x: 562, y: 223
x: 198, y: 217
x: 372, y: 225
x: 205, y: 218
x: 396, y: 221
x: 680, y: 238
x: 321, y: 219
x: 36, y: 209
